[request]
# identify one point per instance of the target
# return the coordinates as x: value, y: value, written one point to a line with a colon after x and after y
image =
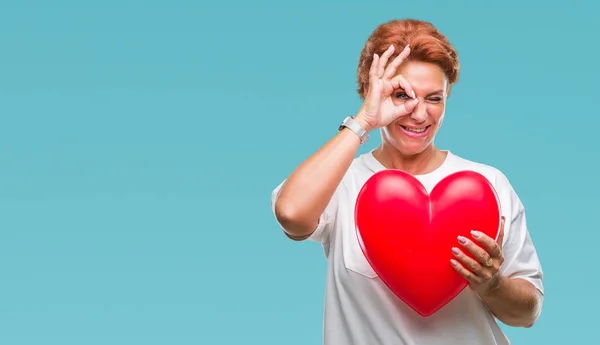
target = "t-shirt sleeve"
x: 520, y: 255
x: 324, y: 229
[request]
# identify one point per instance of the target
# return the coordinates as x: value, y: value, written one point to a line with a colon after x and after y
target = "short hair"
x: 427, y: 44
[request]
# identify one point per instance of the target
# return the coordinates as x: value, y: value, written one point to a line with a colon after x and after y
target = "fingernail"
x: 453, y: 262
x: 455, y: 250
x: 462, y: 240
x: 475, y: 234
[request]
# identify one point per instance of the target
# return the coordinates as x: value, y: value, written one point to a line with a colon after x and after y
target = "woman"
x: 405, y: 73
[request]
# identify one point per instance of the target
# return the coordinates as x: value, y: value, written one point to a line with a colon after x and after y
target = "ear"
x: 448, y: 90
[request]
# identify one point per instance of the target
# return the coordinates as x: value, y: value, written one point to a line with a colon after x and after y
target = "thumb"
x: 406, y: 107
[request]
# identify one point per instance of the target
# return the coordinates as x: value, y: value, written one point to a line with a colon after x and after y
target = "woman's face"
x: 412, y: 134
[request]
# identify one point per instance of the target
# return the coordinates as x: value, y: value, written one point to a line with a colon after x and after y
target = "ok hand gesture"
x: 378, y: 109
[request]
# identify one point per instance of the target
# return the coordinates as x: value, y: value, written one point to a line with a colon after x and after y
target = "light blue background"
x: 140, y: 141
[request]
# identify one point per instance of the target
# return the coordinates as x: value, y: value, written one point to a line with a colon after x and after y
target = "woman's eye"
x: 436, y: 99
x: 401, y: 95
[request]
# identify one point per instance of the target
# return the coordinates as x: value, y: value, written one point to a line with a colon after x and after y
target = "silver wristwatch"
x: 355, y: 127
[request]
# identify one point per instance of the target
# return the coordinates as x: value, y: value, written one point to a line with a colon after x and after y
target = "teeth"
x: 415, y: 130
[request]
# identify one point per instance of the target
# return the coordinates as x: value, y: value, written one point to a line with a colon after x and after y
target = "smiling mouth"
x: 415, y: 132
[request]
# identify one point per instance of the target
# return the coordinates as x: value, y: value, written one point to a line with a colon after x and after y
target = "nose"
x: 419, y: 114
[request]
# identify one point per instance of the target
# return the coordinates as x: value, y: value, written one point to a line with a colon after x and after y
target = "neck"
x: 422, y: 163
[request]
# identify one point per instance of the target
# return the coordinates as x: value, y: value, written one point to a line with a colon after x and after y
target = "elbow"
x: 525, y: 319
x: 534, y: 310
x: 527, y: 323
x: 519, y: 322
x: 285, y: 214
x: 293, y: 221
x: 533, y: 317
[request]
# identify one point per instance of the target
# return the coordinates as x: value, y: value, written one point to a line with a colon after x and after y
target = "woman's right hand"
x: 378, y: 109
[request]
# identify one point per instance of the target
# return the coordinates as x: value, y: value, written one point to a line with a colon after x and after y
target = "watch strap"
x: 355, y: 127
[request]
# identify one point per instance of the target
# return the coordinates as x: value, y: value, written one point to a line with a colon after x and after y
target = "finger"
x: 468, y: 275
x: 468, y: 262
x: 390, y: 70
x: 488, y: 243
x: 384, y: 59
x: 374, y: 67
x: 501, y: 234
x: 400, y: 82
x: 479, y: 253
x: 406, y: 107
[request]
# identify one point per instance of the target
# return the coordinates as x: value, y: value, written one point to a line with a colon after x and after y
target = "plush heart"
x: 407, y: 235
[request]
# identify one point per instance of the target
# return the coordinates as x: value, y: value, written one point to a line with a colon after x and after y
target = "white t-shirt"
x: 361, y: 310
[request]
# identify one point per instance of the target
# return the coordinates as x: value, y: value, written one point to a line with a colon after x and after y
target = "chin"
x: 409, y: 150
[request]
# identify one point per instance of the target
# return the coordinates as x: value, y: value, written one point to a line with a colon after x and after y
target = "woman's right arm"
x: 309, y: 189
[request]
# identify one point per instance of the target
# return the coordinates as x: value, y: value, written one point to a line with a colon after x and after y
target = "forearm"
x: 513, y: 301
x: 309, y: 188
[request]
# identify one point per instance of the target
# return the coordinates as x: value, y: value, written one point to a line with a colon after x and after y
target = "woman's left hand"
x: 482, y: 274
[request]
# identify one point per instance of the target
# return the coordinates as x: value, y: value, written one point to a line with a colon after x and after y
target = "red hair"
x: 427, y: 44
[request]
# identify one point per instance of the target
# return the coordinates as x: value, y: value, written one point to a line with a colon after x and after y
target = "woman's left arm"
x: 514, y: 301
x: 506, y: 274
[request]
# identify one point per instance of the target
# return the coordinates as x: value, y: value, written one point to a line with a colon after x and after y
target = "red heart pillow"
x: 407, y: 235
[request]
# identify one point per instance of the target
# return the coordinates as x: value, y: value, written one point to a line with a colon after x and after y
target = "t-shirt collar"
x: 375, y: 166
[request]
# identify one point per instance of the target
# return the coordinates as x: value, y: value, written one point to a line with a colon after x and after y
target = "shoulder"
x: 492, y: 173
x: 504, y: 188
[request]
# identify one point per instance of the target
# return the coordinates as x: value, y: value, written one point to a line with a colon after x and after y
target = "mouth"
x: 415, y: 132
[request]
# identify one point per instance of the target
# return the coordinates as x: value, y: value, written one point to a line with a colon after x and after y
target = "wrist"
x: 363, y: 123
x: 495, y: 286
